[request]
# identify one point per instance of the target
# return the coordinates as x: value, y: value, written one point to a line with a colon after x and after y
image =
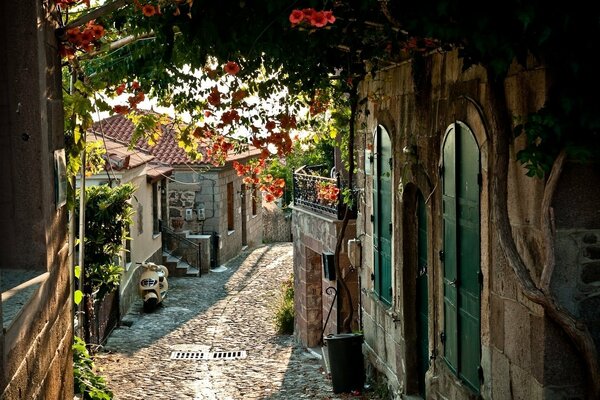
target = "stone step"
x: 178, y: 267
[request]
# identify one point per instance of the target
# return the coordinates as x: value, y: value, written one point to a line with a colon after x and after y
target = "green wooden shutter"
x: 461, y: 258
x: 449, y: 255
x: 382, y: 216
x: 469, y: 303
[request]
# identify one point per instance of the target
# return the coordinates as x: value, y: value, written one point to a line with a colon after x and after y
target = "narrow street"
x: 225, y: 311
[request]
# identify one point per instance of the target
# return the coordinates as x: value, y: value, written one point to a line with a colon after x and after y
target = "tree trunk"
x: 347, y: 295
x: 577, y: 331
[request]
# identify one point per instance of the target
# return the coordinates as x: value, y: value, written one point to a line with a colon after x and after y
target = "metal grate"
x: 204, y: 355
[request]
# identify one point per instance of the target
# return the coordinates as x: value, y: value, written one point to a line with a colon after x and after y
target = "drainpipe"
x: 80, y: 331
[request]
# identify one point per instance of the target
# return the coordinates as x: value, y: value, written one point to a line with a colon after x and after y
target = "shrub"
x: 87, y: 383
x: 284, y: 315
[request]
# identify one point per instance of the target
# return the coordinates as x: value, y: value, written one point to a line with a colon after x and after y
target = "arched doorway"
x: 461, y: 255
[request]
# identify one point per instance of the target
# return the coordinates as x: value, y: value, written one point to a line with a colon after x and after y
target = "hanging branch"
x: 546, y: 220
x: 96, y: 13
x: 576, y: 330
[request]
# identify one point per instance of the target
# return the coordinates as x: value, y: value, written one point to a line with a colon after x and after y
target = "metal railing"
x: 306, y: 187
x: 182, y: 248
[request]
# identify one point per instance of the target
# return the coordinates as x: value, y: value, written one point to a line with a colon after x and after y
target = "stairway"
x: 178, y: 267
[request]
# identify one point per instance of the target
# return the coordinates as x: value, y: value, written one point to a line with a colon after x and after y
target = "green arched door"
x: 382, y: 216
x: 461, y: 258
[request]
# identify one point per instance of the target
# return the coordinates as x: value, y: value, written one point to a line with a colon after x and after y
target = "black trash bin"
x: 346, y: 362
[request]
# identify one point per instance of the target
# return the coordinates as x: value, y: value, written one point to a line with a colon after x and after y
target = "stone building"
x: 443, y: 313
x: 140, y: 169
x: 203, y: 204
x: 36, y: 310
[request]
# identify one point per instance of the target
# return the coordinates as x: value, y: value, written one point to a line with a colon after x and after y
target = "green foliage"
x: 367, y: 35
x: 108, y: 215
x: 284, y: 314
x: 87, y: 382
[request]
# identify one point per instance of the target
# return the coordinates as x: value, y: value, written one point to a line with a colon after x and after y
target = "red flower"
x: 308, y: 12
x: 120, y: 89
x: 214, y: 97
x: 270, y: 125
x: 98, y: 31
x: 239, y: 95
x: 269, y: 198
x: 329, y: 16
x: 74, y: 35
x: 148, y: 10
x: 318, y: 19
x: 296, y: 17
x: 279, y: 182
x: 232, y: 68
x: 119, y: 109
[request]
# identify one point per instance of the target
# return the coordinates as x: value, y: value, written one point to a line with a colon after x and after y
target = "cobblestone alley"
x: 223, y: 311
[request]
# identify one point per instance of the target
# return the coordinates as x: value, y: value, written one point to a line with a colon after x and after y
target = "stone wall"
x: 277, y: 224
x: 208, y: 190
x: 520, y: 346
x: 315, y: 235
x: 36, y: 343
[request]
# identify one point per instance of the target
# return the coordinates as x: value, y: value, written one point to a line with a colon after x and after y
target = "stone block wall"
x: 36, y: 344
x: 313, y: 235
x: 277, y: 223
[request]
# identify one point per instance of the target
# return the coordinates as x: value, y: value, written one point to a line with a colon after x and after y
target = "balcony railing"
x: 307, y: 182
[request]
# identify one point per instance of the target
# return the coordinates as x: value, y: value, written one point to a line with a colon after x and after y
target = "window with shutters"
x: 230, y: 219
x: 155, y: 207
x: 382, y: 216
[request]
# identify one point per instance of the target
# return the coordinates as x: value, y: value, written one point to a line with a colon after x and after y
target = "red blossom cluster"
x: 254, y: 177
x: 281, y: 140
x: 136, y: 97
x: 82, y: 38
x: 215, y: 147
x: 328, y: 192
x: 218, y: 151
x: 309, y: 17
x: 147, y: 9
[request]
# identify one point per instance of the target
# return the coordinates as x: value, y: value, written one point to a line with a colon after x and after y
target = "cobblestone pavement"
x: 230, y: 310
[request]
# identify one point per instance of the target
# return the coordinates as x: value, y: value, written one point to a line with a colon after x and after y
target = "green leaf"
x: 77, y: 271
x: 78, y: 296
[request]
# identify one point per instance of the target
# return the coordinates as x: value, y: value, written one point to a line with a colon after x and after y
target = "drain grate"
x: 204, y: 355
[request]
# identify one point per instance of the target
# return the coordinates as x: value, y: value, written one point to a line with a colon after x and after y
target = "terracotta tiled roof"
x: 123, y: 158
x: 119, y: 152
x: 167, y: 151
